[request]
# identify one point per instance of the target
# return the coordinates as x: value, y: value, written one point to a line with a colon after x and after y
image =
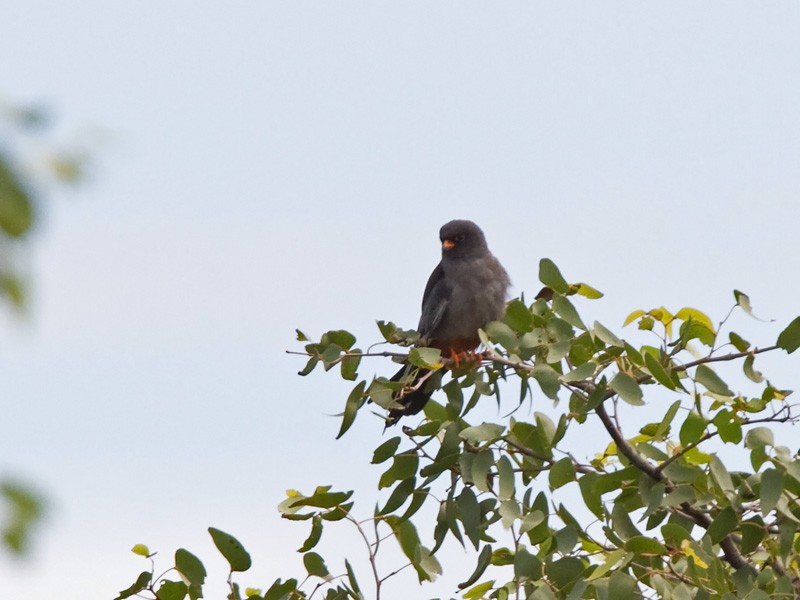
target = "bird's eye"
x: 460, y: 237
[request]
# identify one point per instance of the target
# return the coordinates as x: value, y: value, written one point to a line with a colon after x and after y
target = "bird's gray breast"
x: 477, y: 296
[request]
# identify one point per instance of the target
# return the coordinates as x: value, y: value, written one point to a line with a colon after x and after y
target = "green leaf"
x: 301, y: 337
x: 323, y: 499
x: 518, y: 316
x: 627, y: 388
x: 426, y: 358
x: 340, y: 337
x: 482, y: 433
x: 399, y: 495
x: 505, y: 473
x: 141, y: 550
x: 743, y: 301
x: 720, y: 474
x: 404, y: 466
x: 479, y: 591
x: 314, y: 536
x: 547, y: 378
x: 606, y: 335
x: 315, y: 565
x: 789, y: 339
x: 729, y: 426
x: 725, y: 522
x: 386, y: 450
x: 705, y: 376
x: 483, y: 561
x: 351, y: 577
x: 354, y: 401
x: 750, y: 372
x: 349, y: 365
x: 771, y: 489
x: 642, y: 544
x: 526, y: 565
x: 469, y: 513
x: 758, y: 437
x: 188, y: 565
x: 16, y: 210
x: 566, y: 571
x: 738, y: 341
x: 502, y: 334
x: 692, y: 429
x: 568, y: 312
x: 658, y: 371
x: 280, y: 591
x: 231, y: 549
x: 172, y: 590
x: 580, y: 373
x: 561, y: 473
x: 137, y: 586
x: 551, y: 276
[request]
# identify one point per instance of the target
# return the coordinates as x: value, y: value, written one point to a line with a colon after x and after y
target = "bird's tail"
x: 413, y: 396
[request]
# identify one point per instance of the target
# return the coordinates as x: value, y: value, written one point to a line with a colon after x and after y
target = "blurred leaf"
x: 627, y: 388
x: 351, y: 577
x: 16, y: 211
x: 568, y: 312
x: 137, y: 586
x: 705, y: 376
x: 24, y: 508
x: 721, y: 475
x: 584, y: 371
x: 404, y: 466
x: 479, y: 591
x: 642, y: 544
x: 692, y: 429
x: 505, y: 473
x: 566, y: 571
x: 482, y: 433
x: 743, y: 300
x: 398, y: 496
x: 606, y: 335
x: 551, y: 276
x: 789, y: 339
x: 729, y: 426
x: 340, y: 337
x: 172, y: 590
x: 518, y: 316
x: 188, y: 565
x: 750, y: 372
x: 280, y: 590
x: 313, y: 537
x: 526, y: 565
x: 588, y: 291
x: 725, y: 522
x: 301, y: 337
x: 426, y: 358
x: 386, y: 450
x: 141, y: 550
x: 632, y: 317
x: 561, y: 473
x: 502, y: 334
x: 658, y: 371
x: 315, y: 565
x: 349, y: 365
x: 692, y: 314
x: 322, y: 499
x: 738, y: 341
x: 394, y: 335
x: 771, y: 489
x: 231, y: 549
x: 354, y: 401
x: 758, y: 437
x: 484, y: 559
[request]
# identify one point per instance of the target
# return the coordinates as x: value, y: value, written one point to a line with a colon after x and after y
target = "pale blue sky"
x: 272, y: 165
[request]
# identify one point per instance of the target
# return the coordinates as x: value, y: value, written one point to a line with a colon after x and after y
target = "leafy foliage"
x: 655, y: 513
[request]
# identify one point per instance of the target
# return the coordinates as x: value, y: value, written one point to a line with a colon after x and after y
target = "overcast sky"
x: 272, y: 165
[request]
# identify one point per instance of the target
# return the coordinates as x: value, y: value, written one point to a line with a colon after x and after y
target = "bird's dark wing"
x: 434, y: 302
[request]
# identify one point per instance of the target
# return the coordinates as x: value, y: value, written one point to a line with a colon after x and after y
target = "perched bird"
x: 466, y: 290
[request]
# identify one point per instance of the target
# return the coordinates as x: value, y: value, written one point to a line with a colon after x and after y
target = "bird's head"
x: 462, y: 239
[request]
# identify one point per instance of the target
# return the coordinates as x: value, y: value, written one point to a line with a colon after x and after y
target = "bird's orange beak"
x: 448, y: 244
